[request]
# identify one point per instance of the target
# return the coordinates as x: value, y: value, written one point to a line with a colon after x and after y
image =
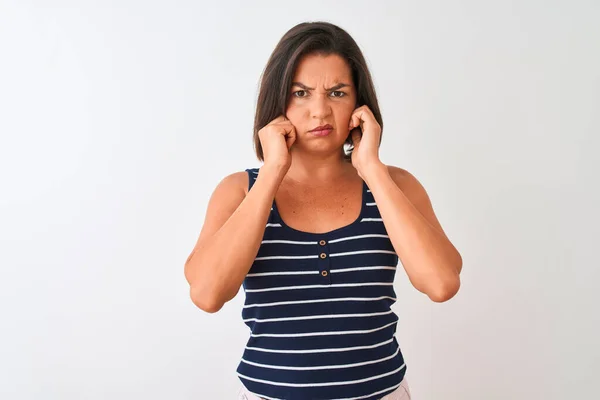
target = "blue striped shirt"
x: 319, y: 311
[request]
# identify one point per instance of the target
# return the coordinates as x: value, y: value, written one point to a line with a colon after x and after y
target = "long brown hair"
x: 303, y: 39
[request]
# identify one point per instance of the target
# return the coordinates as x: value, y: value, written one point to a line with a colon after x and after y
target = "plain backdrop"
x: 118, y: 119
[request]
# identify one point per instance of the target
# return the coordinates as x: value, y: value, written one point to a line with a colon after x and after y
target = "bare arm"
x: 230, y: 237
x: 432, y: 263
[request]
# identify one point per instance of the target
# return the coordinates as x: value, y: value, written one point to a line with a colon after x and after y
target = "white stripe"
x: 368, y: 190
x: 371, y: 204
x: 319, y: 286
x: 322, y: 333
x: 331, y: 241
x: 284, y: 273
x: 274, y: 225
x: 325, y: 316
x: 358, y: 237
x: 330, y: 350
x: 335, y: 271
x: 286, y: 257
x: 323, y: 383
x: 287, y: 241
x: 320, y: 367
x: 282, y: 303
x: 349, y: 253
x: 255, y: 172
x: 371, y: 220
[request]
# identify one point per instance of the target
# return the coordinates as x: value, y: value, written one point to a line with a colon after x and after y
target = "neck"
x: 314, y: 169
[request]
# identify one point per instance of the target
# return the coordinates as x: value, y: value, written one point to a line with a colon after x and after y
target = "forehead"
x: 317, y: 68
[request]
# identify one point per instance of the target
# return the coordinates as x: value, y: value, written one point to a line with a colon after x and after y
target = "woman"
x: 314, y: 235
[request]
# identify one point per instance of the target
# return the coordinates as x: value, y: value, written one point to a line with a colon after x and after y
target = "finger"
x: 286, y: 128
x: 354, y: 121
x: 356, y: 136
x: 277, y: 120
x: 290, y: 138
x: 283, y: 126
x: 366, y: 112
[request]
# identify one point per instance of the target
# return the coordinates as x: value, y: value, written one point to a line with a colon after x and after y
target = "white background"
x: 118, y: 118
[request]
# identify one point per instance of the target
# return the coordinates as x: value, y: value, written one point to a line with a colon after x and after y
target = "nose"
x: 320, y: 107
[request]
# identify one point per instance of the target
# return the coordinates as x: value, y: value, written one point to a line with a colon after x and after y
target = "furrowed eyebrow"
x: 336, y: 87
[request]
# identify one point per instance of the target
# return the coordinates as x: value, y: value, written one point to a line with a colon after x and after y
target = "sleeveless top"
x: 318, y: 309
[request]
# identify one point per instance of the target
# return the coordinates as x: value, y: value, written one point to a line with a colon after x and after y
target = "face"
x: 322, y: 93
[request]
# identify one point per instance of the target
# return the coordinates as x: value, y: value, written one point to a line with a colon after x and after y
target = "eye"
x: 339, y: 93
x: 299, y: 91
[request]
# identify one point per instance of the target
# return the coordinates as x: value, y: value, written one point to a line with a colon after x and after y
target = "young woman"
x: 314, y: 235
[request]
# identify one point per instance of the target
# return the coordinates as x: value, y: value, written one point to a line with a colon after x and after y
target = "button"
x: 324, y: 273
x: 322, y: 243
x: 323, y: 255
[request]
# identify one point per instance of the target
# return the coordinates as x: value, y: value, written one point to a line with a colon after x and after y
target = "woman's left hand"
x: 365, y: 140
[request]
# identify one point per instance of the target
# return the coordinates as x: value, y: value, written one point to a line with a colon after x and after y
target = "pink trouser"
x: 402, y: 393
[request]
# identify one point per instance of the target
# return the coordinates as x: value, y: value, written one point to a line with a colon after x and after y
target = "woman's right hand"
x: 276, y: 139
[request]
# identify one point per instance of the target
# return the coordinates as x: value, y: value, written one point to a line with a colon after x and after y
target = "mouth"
x: 322, y: 130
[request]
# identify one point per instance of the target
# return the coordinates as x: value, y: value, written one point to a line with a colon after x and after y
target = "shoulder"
x: 237, y: 182
x: 408, y: 183
x: 398, y: 174
x: 402, y: 177
x: 416, y: 194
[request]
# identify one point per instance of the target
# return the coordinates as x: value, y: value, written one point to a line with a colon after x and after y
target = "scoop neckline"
x: 331, y: 232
